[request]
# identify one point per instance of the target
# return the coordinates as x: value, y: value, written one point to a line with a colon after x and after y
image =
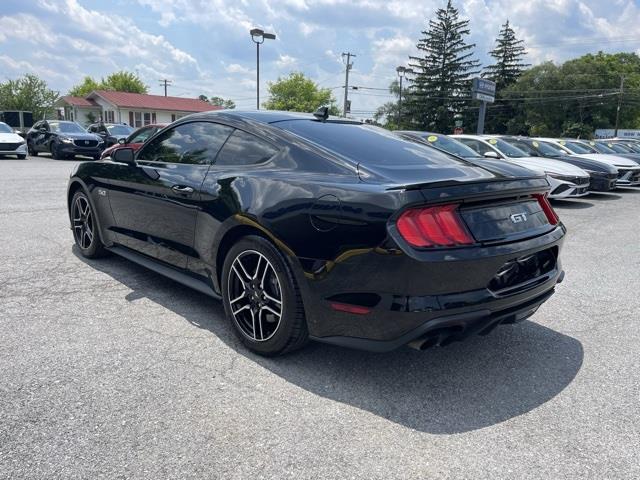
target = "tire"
x: 254, y: 276
x: 21, y: 157
x: 55, y: 152
x: 84, y: 227
x: 31, y: 150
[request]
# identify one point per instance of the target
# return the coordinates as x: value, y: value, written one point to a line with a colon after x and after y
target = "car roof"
x: 267, y: 116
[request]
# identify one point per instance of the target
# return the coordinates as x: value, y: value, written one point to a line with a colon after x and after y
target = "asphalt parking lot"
x: 108, y: 370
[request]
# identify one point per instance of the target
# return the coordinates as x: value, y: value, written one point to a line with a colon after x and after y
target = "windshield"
x: 548, y: 149
x: 366, y: 144
x: 634, y: 147
x: 616, y: 148
x: 579, y: 148
x: 525, y: 147
x: 601, y: 147
x: 450, y: 145
x: 507, y: 149
x: 119, y: 129
x: 66, y: 127
x: 4, y: 128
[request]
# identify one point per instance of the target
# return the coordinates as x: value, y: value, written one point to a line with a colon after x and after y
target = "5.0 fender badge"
x: 102, y: 192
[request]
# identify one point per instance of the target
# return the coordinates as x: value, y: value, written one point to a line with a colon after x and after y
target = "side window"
x: 141, y: 136
x: 245, y: 149
x: 478, y: 146
x: 194, y: 143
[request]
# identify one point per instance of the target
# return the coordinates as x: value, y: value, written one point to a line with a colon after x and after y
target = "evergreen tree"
x: 508, y: 54
x: 441, y: 85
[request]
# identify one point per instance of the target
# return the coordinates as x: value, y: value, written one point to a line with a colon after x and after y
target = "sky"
x: 204, y: 46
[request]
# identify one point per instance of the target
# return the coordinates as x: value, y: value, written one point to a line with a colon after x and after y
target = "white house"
x: 134, y: 109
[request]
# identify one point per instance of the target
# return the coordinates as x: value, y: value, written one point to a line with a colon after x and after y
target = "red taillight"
x: 548, y: 210
x: 438, y: 226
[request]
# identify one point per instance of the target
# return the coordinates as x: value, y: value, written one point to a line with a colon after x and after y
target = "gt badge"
x: 518, y: 217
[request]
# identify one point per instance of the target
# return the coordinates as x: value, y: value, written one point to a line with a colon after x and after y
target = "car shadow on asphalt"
x: 462, y: 387
x: 571, y: 204
x: 628, y: 190
x: 602, y: 196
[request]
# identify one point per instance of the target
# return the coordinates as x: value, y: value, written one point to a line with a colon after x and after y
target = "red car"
x: 135, y: 140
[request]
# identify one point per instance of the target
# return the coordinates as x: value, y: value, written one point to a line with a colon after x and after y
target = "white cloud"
x: 286, y: 61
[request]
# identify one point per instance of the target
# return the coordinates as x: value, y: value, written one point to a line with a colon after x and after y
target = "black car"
x: 110, y: 133
x: 62, y: 139
x: 603, y: 176
x: 332, y: 230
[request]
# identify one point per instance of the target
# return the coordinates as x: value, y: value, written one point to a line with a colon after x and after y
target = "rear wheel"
x: 261, y: 298
x: 32, y: 151
x: 85, y: 227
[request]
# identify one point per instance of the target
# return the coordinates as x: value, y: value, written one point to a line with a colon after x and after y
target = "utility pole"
x: 615, y: 134
x: 346, y: 82
x: 164, y: 82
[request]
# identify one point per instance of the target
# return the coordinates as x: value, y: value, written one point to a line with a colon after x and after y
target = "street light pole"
x: 402, y: 72
x: 259, y: 36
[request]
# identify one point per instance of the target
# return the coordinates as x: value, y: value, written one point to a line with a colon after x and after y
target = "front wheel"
x: 21, y: 157
x: 32, y: 151
x: 261, y: 298
x: 85, y: 227
x: 56, y: 154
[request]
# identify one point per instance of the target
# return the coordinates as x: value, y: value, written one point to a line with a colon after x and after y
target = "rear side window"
x: 242, y: 148
x: 195, y: 143
x: 366, y: 144
x: 477, y: 145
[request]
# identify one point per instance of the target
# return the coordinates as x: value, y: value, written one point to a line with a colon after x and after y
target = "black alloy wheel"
x: 261, y: 298
x: 85, y: 232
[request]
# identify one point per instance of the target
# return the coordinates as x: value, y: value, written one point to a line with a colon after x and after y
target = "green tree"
x: 508, y: 56
x: 440, y: 87
x: 298, y: 93
x: 28, y: 93
x: 387, y: 114
x: 84, y: 88
x: 121, y: 81
x: 508, y: 67
x: 221, y: 102
x: 578, y: 96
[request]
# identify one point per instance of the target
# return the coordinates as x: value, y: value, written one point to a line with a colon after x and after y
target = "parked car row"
x: 572, y: 167
x: 66, y: 139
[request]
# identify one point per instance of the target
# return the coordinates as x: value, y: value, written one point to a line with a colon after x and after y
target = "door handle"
x: 182, y: 189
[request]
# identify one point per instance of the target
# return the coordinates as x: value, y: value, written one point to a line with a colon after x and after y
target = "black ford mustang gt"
x: 323, y: 229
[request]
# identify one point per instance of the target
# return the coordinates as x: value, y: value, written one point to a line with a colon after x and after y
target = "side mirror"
x: 491, y: 154
x: 42, y: 130
x: 122, y: 141
x: 124, y: 155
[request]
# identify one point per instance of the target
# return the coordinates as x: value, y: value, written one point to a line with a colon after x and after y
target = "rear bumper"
x: 441, y: 331
x: 407, y: 296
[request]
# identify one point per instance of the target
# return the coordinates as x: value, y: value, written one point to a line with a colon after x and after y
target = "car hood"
x: 10, y: 138
x: 588, y: 164
x: 614, y: 160
x: 549, y: 165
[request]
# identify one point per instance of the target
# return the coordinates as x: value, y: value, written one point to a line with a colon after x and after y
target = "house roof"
x: 79, y: 101
x: 153, y: 102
